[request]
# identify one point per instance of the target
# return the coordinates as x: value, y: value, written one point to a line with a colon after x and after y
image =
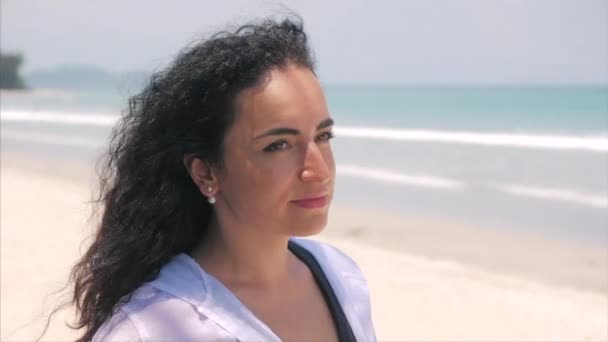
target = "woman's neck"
x: 245, y: 256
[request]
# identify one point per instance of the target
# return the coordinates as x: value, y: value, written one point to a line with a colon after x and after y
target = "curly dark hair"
x: 151, y: 210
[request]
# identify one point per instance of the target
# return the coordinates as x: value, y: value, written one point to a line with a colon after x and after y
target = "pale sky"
x: 355, y: 41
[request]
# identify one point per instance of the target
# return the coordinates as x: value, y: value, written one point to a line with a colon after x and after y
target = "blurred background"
x: 472, y: 151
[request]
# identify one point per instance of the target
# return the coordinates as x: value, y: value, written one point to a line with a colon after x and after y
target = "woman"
x: 219, y: 164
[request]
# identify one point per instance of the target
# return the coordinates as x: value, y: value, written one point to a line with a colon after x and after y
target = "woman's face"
x: 279, y: 169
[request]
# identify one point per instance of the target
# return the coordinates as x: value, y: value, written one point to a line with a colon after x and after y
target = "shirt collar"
x: 182, y: 277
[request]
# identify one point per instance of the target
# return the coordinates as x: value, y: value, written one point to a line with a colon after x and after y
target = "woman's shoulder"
x: 118, y: 328
x: 130, y: 321
x: 154, y: 315
x: 348, y: 282
x: 166, y: 308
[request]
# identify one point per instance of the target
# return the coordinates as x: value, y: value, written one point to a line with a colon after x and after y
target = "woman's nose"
x: 315, y: 166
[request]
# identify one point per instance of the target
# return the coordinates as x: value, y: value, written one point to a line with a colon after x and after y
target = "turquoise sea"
x: 519, y: 158
x: 502, y: 109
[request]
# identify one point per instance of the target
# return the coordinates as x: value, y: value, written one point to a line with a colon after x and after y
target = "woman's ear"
x: 202, y: 174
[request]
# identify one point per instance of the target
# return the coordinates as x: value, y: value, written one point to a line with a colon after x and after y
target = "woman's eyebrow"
x: 292, y: 131
x: 325, y: 123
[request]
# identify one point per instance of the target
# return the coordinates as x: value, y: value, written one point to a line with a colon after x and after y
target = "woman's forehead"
x: 291, y: 94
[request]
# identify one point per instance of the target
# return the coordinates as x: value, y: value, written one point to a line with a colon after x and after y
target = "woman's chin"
x: 313, y: 228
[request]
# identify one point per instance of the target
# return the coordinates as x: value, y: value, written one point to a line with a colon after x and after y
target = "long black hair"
x: 150, y: 208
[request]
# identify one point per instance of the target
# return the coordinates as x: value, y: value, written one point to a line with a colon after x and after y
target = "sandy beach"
x: 429, y: 280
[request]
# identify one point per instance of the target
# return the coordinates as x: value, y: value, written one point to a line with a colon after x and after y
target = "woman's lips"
x: 310, y: 203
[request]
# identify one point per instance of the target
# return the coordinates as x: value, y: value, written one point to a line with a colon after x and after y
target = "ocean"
x: 532, y: 159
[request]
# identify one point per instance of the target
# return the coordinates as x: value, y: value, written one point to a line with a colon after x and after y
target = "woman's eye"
x: 326, y: 136
x: 276, y: 146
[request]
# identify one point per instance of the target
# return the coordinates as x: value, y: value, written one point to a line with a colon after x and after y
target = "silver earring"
x: 211, y: 199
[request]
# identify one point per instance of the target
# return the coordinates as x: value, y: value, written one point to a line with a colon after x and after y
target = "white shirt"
x: 184, y: 303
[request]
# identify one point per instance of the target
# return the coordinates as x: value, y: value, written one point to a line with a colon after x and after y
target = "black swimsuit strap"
x: 343, y: 328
